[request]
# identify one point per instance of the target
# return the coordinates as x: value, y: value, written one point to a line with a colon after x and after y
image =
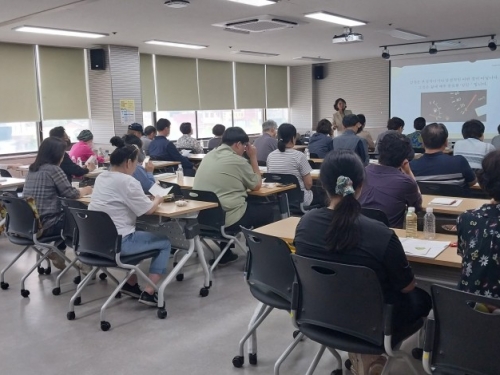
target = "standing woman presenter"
x: 340, y: 106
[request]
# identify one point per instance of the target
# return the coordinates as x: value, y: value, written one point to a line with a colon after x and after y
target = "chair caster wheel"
x: 204, y: 292
x: 252, y: 359
x: 210, y: 284
x: 238, y: 361
x: 103, y: 276
x: 77, y: 280
x: 105, y: 326
x: 41, y: 270
x: 25, y: 293
x: 417, y: 353
x: 179, y: 277
x: 4, y: 286
x: 336, y: 372
x: 295, y: 333
x: 161, y: 313
x: 56, y: 291
x: 70, y: 315
x: 348, y: 364
x: 118, y: 295
x: 175, y: 264
x: 78, y: 301
x: 48, y: 270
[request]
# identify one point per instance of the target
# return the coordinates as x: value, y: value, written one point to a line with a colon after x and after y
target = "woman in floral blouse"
x: 479, y: 235
x: 186, y: 141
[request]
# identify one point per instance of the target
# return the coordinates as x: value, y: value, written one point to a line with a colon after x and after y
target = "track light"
x: 492, y: 44
x: 433, y: 49
x: 385, y: 54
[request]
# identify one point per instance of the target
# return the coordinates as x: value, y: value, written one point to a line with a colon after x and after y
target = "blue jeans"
x: 140, y: 242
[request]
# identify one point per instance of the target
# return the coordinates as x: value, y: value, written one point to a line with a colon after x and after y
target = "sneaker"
x: 133, y: 291
x: 57, y: 261
x: 228, y: 258
x: 149, y: 299
x: 84, y: 268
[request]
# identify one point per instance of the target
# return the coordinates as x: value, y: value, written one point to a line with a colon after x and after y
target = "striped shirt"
x: 473, y: 150
x: 291, y: 162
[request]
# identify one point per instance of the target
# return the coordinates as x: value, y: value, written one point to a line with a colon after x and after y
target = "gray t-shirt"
x: 145, y: 144
x: 265, y: 144
x: 496, y: 142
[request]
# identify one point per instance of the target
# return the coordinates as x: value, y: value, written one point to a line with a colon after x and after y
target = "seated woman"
x: 141, y: 174
x: 479, y: 235
x: 341, y: 233
x: 472, y: 147
x: 216, y: 141
x: 83, y: 148
x: 287, y: 160
x: 187, y: 141
x: 320, y: 142
x: 365, y: 134
x: 44, y: 183
x: 120, y: 195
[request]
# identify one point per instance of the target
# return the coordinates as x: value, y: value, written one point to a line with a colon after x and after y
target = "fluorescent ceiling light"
x: 49, y: 31
x: 174, y: 44
x: 256, y: 3
x: 308, y: 58
x: 334, y: 18
x: 254, y: 53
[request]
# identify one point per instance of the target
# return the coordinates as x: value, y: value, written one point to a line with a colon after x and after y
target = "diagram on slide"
x: 454, y: 106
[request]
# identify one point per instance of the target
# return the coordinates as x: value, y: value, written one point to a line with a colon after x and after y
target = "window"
x: 176, y: 118
x: 18, y: 137
x: 72, y: 127
x: 249, y: 120
x: 280, y: 115
x: 207, y: 120
x: 147, y: 119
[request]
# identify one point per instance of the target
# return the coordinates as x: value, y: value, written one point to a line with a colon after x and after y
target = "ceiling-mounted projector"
x: 347, y: 37
x: 177, y: 3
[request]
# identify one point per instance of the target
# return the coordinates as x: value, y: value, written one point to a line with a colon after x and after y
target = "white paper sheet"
x: 450, y: 202
x: 423, y: 248
x: 157, y: 190
x: 159, y: 176
x: 185, y: 153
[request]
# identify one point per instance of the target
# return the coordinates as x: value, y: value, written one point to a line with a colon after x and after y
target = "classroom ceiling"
x: 136, y: 21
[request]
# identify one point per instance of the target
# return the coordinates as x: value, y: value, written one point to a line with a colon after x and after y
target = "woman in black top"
x: 341, y: 233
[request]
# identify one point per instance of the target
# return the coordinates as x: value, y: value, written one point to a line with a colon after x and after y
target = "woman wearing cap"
x: 340, y: 106
x: 340, y: 233
x: 83, y: 148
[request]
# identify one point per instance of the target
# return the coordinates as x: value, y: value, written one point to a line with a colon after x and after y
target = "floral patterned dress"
x: 479, y: 246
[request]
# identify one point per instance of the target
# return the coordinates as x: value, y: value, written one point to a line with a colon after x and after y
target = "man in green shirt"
x: 229, y: 175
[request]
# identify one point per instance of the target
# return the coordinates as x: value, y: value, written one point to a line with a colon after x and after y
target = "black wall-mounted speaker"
x: 97, y: 59
x: 319, y: 71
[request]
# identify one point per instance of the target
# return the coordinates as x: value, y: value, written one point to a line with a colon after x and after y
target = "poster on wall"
x: 127, y: 111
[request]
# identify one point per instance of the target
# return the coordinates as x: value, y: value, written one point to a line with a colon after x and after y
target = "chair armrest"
x: 388, y: 319
x: 428, y: 345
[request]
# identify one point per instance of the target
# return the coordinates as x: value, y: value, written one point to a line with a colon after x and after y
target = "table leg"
x: 201, y: 258
x: 283, y: 205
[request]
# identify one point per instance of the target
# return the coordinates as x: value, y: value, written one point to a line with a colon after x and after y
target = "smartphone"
x: 146, y: 161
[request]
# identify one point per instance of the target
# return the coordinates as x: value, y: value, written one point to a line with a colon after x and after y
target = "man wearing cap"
x: 348, y: 140
x: 135, y: 129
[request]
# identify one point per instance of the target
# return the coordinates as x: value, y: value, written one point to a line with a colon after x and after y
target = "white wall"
x: 301, y: 97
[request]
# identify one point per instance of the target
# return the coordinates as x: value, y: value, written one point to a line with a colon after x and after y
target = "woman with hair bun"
x: 340, y: 233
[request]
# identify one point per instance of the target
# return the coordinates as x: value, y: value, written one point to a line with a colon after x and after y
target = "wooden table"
x: 186, y: 183
x: 300, y: 147
x: 164, y: 164
x: 96, y: 172
x: 196, y: 157
x: 466, y: 204
x: 11, y: 182
x: 317, y: 161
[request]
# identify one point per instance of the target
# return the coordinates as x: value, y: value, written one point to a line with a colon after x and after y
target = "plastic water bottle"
x: 79, y: 162
x: 180, y: 174
x: 429, y: 224
x: 308, y: 154
x: 411, y: 223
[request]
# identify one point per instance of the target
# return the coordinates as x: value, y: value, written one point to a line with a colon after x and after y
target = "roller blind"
x: 63, y: 84
x: 18, y: 89
x: 176, y: 84
x: 216, y: 84
x: 277, y: 86
x: 147, y: 83
x: 250, y: 86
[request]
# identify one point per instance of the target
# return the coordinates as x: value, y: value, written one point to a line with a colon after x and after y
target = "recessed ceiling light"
x: 308, y: 58
x: 50, y: 31
x: 334, y: 18
x: 255, y: 3
x: 175, y: 44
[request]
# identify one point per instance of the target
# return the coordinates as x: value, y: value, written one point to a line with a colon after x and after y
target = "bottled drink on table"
x: 180, y: 174
x: 429, y: 224
x: 308, y: 154
x: 411, y: 223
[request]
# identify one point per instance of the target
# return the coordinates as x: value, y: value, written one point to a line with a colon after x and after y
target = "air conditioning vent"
x: 258, y: 24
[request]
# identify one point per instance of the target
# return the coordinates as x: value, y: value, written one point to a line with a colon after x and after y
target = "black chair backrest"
x: 375, y: 214
x: 69, y: 222
x: 269, y: 265
x: 447, y: 190
x: 176, y: 189
x: 213, y: 218
x: 20, y: 221
x: 417, y: 150
x: 313, y: 155
x: 262, y: 163
x: 295, y: 195
x: 5, y: 173
x: 96, y: 234
x: 466, y: 341
x: 186, y: 149
x: 340, y: 297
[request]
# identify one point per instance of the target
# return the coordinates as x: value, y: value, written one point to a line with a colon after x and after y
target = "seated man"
x: 161, y: 148
x: 394, y: 125
x: 390, y: 185
x: 435, y: 166
x: 267, y: 142
x: 216, y: 141
x: 348, y: 140
x: 416, y: 137
x: 229, y: 175
x: 147, y: 138
x: 472, y: 147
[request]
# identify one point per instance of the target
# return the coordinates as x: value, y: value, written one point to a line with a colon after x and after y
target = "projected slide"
x: 447, y: 92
